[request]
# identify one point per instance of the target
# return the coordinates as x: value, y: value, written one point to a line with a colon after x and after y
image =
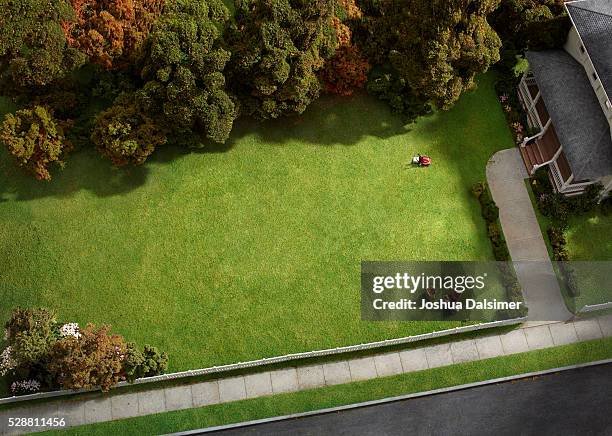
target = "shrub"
x: 146, y: 363
x: 43, y: 354
x: 91, y: 361
x: 569, y: 277
x: 490, y: 212
x: 36, y: 139
x: 557, y: 241
x: 125, y: 134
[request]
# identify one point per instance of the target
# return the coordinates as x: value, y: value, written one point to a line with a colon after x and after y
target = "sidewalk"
x: 99, y: 408
x: 505, y: 175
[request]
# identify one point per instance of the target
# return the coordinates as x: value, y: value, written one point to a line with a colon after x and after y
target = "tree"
x: 278, y: 46
x: 35, y: 139
x: 93, y: 360
x: 33, y: 50
x: 109, y: 31
x: 125, y: 134
x: 183, y: 69
x: 347, y: 69
x: 437, y: 46
x: 529, y: 24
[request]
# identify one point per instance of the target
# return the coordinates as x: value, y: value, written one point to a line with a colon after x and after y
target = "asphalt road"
x: 575, y: 402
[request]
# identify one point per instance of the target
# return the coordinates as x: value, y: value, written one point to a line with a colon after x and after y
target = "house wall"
x: 573, y: 46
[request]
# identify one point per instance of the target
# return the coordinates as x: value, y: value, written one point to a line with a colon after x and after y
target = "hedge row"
x: 490, y: 213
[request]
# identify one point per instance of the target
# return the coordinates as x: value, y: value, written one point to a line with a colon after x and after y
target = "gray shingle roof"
x: 593, y: 20
x: 578, y: 118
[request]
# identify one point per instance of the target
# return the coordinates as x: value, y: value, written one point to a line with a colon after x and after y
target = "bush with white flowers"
x: 70, y: 329
x: 42, y: 354
x: 25, y: 387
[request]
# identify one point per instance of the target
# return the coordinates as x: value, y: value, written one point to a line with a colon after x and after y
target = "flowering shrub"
x: 25, y: 387
x: 70, y: 329
x: 7, y: 363
x: 44, y: 354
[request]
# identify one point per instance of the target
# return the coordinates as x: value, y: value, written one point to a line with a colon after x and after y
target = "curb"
x: 390, y: 399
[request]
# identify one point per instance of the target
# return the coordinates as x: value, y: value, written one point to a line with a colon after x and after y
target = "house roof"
x: 572, y: 104
x: 593, y: 21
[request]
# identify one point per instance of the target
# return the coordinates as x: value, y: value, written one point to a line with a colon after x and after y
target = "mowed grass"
x: 589, y: 245
x: 252, y: 249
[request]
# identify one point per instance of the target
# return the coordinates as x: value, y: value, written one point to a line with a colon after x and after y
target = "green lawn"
x: 352, y: 393
x: 589, y: 238
x: 251, y: 249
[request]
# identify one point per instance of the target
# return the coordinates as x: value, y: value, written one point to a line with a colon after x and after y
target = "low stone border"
x: 595, y: 307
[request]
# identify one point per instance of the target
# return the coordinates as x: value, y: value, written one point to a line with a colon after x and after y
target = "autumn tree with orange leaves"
x: 109, y: 31
x: 348, y: 69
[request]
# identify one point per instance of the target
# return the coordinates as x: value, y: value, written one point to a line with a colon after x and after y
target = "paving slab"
x: 538, y: 337
x: 337, y: 373
x: 97, y: 410
x: 509, y: 191
x: 439, y: 355
x: 517, y: 227
x: 73, y: 412
x: 489, y: 346
x: 588, y: 329
x: 605, y: 323
x: 464, y: 351
x: 258, y: 385
x: 150, y: 402
x: 311, y: 376
x: 178, y: 398
x: 284, y: 380
x: 124, y: 406
x: 528, y: 249
x: 563, y: 333
x: 388, y: 364
x: 231, y: 389
x: 541, y: 289
x: 514, y: 342
x: 205, y: 394
x: 362, y: 369
x: 413, y: 360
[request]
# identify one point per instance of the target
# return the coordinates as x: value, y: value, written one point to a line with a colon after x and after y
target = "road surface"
x: 572, y: 402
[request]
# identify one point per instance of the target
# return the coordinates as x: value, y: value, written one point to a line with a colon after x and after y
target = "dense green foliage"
x: 35, y: 139
x: 533, y: 24
x: 183, y: 69
x: 41, y: 353
x: 437, y: 46
x: 277, y: 48
x: 125, y: 134
x: 33, y: 50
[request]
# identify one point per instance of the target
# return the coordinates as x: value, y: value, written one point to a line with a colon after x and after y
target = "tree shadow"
x: 331, y: 120
x: 85, y: 170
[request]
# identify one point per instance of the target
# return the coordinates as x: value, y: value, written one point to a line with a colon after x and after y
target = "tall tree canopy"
x: 277, y: 48
x: 109, y: 31
x: 534, y: 24
x: 33, y: 49
x: 436, y: 46
x: 183, y: 68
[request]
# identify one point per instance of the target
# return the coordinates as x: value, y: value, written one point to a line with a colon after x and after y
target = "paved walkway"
x: 505, y: 175
x: 98, y: 407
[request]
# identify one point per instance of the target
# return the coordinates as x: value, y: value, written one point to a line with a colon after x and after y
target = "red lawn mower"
x: 421, y: 160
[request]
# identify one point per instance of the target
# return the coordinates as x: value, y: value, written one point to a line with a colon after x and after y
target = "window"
x: 594, y: 76
x: 582, y: 49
